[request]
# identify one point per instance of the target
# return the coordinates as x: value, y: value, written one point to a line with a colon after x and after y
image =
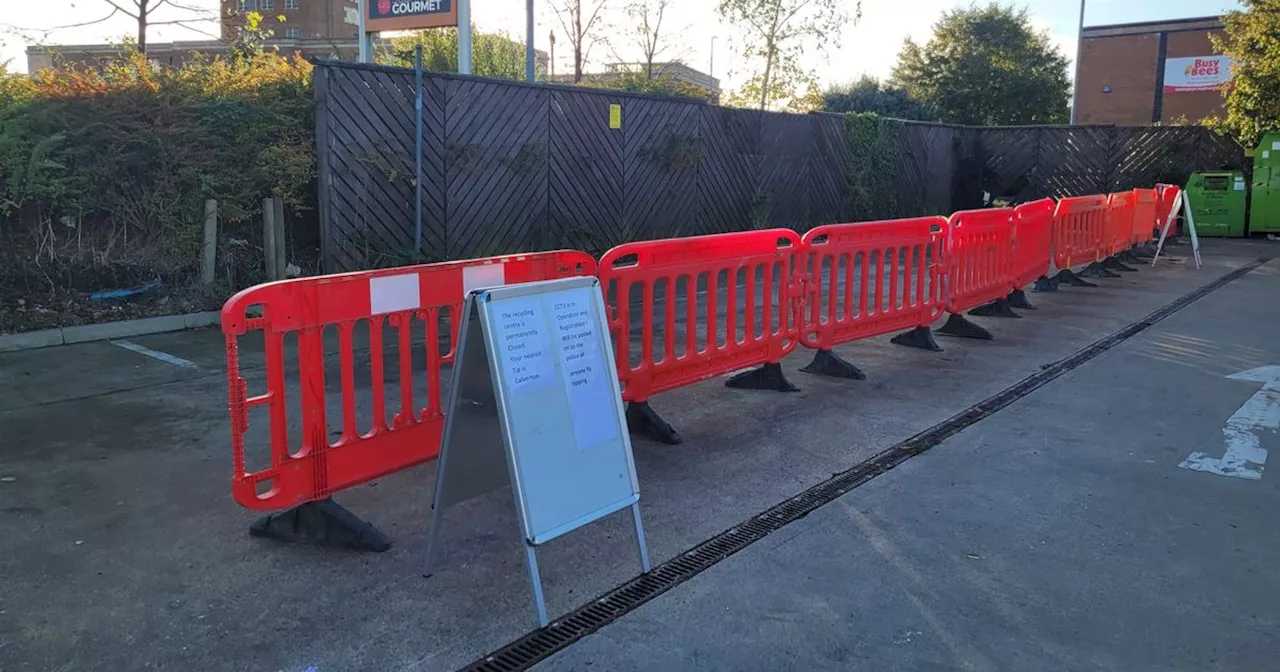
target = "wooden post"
x: 269, y: 238
x: 210, y: 250
x: 282, y: 248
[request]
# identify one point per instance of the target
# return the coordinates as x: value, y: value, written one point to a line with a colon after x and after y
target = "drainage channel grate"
x: 541, y: 644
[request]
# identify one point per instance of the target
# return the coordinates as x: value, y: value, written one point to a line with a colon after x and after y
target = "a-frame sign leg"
x: 644, y: 548
x: 535, y: 579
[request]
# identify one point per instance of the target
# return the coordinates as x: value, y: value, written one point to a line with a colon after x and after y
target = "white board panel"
x: 560, y: 404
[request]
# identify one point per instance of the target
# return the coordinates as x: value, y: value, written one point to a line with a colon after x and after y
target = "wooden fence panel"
x: 496, y: 170
x: 729, y: 169
x: 511, y: 167
x: 586, y: 174
x: 660, y: 169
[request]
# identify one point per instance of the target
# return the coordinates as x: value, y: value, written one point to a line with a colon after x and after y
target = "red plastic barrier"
x: 1032, y: 241
x: 1077, y: 230
x: 1144, y: 215
x: 1118, y: 235
x: 751, y: 276
x: 845, y: 267
x: 1166, y: 194
x: 326, y: 454
x: 979, y: 258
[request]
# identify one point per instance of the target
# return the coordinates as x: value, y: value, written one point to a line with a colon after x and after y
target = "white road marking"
x: 1245, y: 456
x: 156, y: 354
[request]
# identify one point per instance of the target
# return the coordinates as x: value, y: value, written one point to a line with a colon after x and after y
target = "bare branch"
x: 124, y: 11
x: 114, y: 11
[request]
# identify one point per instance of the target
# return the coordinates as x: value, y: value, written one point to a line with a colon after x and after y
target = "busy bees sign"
x: 409, y: 14
x: 1198, y: 73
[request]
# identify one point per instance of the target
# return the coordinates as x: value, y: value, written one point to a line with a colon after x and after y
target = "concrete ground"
x: 1072, y: 541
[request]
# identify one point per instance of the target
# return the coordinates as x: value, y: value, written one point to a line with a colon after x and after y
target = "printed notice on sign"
x: 585, y: 368
x: 523, y: 346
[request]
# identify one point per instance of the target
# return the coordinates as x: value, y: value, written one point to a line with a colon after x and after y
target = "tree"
x: 869, y: 94
x: 986, y: 66
x: 649, y: 15
x: 579, y: 18
x: 492, y: 54
x: 1253, y: 95
x: 776, y: 33
x: 141, y: 12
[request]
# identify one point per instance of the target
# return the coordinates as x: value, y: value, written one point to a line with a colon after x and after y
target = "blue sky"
x: 869, y: 47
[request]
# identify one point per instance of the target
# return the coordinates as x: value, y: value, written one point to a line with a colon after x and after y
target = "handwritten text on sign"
x: 591, y: 397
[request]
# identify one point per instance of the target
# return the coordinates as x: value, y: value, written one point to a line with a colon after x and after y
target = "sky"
x: 868, y: 47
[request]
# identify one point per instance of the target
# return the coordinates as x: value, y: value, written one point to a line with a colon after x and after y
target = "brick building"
x: 1143, y: 73
x: 304, y: 19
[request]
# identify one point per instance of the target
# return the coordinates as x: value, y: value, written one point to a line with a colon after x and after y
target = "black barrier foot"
x: 643, y: 420
x: 997, y: 308
x: 1114, y: 264
x: 1097, y: 270
x: 920, y: 338
x: 1045, y: 284
x: 1128, y: 257
x: 1144, y: 252
x: 827, y: 363
x: 1072, y: 280
x: 958, y: 326
x: 1018, y: 299
x: 767, y: 377
x: 322, y: 522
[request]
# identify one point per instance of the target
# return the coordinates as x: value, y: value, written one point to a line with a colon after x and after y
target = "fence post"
x: 269, y: 238
x: 282, y: 248
x: 210, y: 250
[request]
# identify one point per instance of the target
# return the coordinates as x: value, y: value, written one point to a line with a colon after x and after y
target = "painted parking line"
x: 156, y: 354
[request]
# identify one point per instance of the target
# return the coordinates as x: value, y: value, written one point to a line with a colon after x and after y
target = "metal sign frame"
x: 479, y: 436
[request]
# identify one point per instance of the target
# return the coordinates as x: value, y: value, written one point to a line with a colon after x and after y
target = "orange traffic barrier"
x: 1032, y: 244
x: 1118, y: 235
x: 318, y: 444
x: 688, y: 309
x: 980, y: 269
x: 1078, y: 224
x: 869, y: 279
x: 1144, y: 215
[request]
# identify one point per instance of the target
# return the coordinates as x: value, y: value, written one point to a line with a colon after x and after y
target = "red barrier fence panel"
x: 1144, y: 215
x: 1118, y: 235
x: 871, y: 278
x: 979, y: 258
x: 1078, y: 224
x: 1032, y: 241
x: 687, y: 309
x: 323, y: 433
x: 1166, y: 195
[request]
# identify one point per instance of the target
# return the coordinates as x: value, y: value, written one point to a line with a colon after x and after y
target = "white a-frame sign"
x: 536, y: 404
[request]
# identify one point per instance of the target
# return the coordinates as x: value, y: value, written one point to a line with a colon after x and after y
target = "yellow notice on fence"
x: 615, y: 116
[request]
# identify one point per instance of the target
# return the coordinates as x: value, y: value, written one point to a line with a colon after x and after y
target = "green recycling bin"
x: 1265, y: 214
x: 1217, y: 203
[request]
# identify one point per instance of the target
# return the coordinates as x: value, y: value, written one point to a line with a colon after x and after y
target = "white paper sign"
x: 584, y: 368
x: 393, y: 293
x: 523, y: 345
x: 1275, y: 144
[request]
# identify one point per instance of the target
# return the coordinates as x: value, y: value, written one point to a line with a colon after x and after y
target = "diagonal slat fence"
x: 511, y: 167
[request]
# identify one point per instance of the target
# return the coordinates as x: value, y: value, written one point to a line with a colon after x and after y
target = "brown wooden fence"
x: 513, y: 167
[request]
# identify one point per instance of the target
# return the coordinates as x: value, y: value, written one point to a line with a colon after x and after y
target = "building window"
x: 266, y: 4
x: 246, y: 5
x: 293, y: 33
x: 290, y: 4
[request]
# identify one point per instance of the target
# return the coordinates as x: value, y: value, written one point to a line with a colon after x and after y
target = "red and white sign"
x: 1197, y: 73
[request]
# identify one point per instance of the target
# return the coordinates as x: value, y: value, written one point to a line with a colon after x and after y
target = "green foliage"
x: 986, y: 66
x: 869, y: 94
x: 659, y: 84
x: 114, y: 165
x: 492, y: 54
x: 777, y: 33
x: 1253, y: 95
x: 875, y: 145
